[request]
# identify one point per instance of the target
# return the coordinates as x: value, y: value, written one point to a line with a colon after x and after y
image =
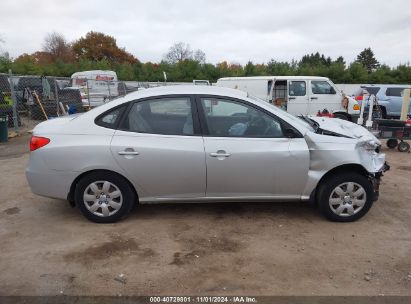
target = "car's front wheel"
x: 104, y: 197
x: 345, y: 197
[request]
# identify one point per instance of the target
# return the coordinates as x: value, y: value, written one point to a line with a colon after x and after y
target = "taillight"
x: 359, y: 97
x: 37, y: 142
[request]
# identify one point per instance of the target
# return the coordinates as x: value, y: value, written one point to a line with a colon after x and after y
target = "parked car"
x: 181, y: 144
x: 71, y: 98
x: 389, y: 97
x: 297, y: 94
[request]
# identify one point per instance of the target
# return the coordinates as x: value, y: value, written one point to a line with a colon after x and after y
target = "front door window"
x: 227, y: 118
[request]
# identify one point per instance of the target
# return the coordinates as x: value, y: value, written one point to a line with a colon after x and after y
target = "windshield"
x: 299, y: 121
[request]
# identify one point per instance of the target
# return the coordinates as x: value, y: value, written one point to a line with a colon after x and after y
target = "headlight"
x: 369, y: 145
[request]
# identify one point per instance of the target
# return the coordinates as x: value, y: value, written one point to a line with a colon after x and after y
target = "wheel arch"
x: 70, y: 195
x: 356, y: 168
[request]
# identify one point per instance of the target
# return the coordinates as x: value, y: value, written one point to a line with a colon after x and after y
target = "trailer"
x: 396, y: 131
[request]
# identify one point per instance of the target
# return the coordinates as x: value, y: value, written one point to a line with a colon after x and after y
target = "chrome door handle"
x: 219, y: 154
x: 314, y: 97
x: 128, y: 153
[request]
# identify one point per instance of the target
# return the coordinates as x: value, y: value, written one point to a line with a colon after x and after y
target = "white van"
x: 297, y: 94
x: 96, y: 87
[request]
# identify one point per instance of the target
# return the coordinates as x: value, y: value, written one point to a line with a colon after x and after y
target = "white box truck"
x: 298, y: 95
x: 96, y: 87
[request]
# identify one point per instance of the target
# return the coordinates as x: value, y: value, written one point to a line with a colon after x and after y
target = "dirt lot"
x: 48, y: 248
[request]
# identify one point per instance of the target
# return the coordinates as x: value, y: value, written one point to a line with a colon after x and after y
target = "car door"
x: 159, y: 145
x: 323, y: 96
x: 297, y: 103
x: 247, y: 154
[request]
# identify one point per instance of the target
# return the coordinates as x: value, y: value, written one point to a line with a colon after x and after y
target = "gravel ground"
x: 48, y: 248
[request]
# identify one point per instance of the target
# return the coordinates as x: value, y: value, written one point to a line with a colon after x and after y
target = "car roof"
x: 172, y: 90
x: 186, y: 90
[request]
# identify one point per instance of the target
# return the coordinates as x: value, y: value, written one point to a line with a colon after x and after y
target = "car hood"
x: 345, y: 128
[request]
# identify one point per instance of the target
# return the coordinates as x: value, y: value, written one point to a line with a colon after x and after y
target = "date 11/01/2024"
x: 200, y: 299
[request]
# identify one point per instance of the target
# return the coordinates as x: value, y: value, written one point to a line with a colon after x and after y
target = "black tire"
x: 327, y: 187
x: 392, y: 143
x: 126, y: 191
x: 341, y: 116
x: 403, y: 146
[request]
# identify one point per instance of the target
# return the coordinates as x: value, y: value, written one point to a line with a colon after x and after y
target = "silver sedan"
x: 203, y: 144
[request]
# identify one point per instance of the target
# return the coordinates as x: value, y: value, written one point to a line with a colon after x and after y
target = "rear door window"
x: 394, y: 92
x: 166, y: 116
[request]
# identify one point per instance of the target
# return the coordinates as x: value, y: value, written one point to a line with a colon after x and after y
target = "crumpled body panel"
x: 329, y: 152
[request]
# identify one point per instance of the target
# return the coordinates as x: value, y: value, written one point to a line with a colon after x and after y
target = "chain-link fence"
x: 8, y: 106
x: 28, y: 100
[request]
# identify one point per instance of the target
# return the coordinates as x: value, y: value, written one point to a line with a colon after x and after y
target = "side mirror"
x: 290, y: 133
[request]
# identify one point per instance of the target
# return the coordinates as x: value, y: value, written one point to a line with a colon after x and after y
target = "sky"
x: 234, y: 31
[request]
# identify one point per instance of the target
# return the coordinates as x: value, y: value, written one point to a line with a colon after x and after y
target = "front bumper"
x: 376, y: 180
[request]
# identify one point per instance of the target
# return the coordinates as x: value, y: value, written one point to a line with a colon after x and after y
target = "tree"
x: 97, y: 51
x: 182, y: 51
x: 280, y: 68
x: 98, y: 46
x: 315, y: 59
x: 179, y: 52
x: 358, y: 73
x: 340, y: 60
x: 199, y: 56
x: 367, y: 59
x: 56, y: 45
x: 26, y: 65
x: 5, y: 61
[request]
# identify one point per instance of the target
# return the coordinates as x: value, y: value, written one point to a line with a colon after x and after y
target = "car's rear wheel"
x: 403, y: 146
x: 104, y: 197
x: 345, y: 197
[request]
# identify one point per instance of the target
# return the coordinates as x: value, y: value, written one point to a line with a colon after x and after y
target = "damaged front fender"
x: 329, y: 152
